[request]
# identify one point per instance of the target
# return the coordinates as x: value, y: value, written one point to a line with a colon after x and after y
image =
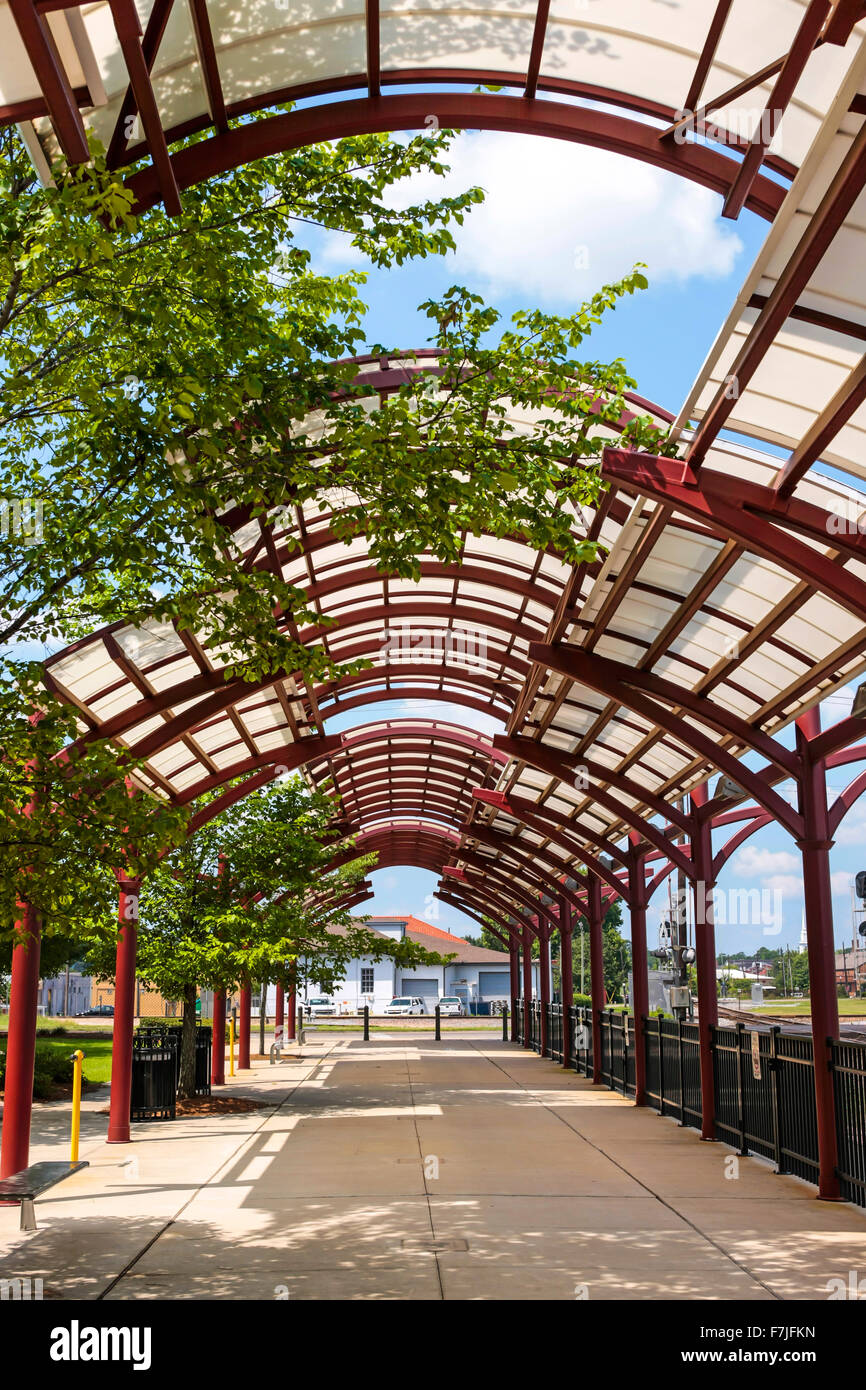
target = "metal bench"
x: 26, y: 1186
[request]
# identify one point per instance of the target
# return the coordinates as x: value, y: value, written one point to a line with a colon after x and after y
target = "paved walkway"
x: 402, y: 1169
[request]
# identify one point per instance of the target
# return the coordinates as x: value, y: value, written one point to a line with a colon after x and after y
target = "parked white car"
x: 319, y: 1007
x: 405, y: 1004
x: 450, y: 1004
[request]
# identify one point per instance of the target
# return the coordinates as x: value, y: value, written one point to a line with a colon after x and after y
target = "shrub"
x: 52, y: 1066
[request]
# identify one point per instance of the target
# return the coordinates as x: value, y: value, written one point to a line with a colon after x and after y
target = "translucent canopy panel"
x: 613, y: 688
x: 730, y: 592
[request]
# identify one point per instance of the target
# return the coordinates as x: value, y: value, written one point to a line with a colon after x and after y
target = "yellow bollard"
x: 232, y: 1046
x: 78, y: 1059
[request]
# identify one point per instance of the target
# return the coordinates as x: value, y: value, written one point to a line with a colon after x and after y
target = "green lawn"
x: 848, y: 1008
x: 69, y: 1025
x: 97, y: 1055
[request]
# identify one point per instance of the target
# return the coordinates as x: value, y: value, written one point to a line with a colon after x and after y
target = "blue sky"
x: 558, y: 221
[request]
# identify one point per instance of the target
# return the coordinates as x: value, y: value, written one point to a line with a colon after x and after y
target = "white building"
x: 476, y: 974
x: 68, y: 994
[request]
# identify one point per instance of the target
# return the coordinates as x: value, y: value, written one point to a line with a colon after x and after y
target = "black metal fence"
x: 764, y: 1084
x: 156, y: 1069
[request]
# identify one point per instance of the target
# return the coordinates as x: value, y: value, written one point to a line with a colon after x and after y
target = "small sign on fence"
x: 581, y: 1038
x: 756, y: 1056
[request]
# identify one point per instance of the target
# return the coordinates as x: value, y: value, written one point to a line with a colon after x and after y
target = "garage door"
x: 428, y: 989
x: 494, y: 984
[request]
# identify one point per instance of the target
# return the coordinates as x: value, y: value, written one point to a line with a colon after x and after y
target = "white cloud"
x: 852, y: 830
x: 840, y: 884
x: 752, y: 862
x: 789, y: 885
x: 560, y: 219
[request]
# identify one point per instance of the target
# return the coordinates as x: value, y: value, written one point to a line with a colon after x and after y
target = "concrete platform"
x: 405, y: 1169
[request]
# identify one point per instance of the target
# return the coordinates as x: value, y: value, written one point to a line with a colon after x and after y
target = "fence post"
x: 661, y: 1065
x: 624, y: 1032
x: 438, y: 1034
x: 595, y: 918
x: 505, y: 1023
x: 682, y: 1072
x: 777, y: 1100
x: 366, y: 1023
x: 741, y: 1102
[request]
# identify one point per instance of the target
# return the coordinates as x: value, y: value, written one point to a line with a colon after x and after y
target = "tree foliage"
x: 157, y: 380
x: 253, y: 895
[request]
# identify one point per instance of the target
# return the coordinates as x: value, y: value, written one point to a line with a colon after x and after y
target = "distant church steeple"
x: 804, y: 941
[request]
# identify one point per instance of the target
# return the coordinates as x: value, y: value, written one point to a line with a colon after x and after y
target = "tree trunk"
x: 186, y: 1082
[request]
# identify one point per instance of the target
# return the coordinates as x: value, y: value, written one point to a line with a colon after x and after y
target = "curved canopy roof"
x: 731, y: 593
x: 615, y: 686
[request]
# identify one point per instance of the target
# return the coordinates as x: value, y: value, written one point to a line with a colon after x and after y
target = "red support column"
x: 280, y: 1008
x: 815, y: 849
x: 124, y: 1011
x: 705, y: 953
x: 544, y: 984
x: 245, y: 1021
x: 527, y: 985
x: 595, y: 917
x: 21, y: 1043
x: 218, y: 1053
x: 640, y: 983
x: 566, y: 970
x: 514, y: 962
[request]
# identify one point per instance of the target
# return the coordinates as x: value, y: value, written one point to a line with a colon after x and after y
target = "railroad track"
x: 850, y: 1027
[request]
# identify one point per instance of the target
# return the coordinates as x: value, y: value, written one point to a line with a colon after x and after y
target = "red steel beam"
x: 374, y: 64
x: 837, y: 203
x: 581, y: 662
x: 153, y: 34
x: 564, y: 766
x: 518, y: 808
x: 529, y: 812
x: 783, y: 90
x: 208, y: 63
x: 457, y: 110
x: 51, y: 76
x: 845, y: 15
x: 538, y: 36
x: 708, y: 53
x: 674, y: 481
x: 849, y: 397
x: 128, y: 29
x: 547, y: 759
x: 619, y: 683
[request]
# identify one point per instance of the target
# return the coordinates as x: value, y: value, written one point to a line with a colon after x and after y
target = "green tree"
x: 791, y: 972
x: 249, y: 893
x: 488, y: 939
x: 616, y: 951
x: 155, y: 376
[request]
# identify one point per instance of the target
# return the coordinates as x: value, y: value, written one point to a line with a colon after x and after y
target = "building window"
x: 367, y: 977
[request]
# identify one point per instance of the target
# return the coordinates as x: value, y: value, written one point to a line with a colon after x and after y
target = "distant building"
x: 67, y: 994
x: 851, y: 971
x: 476, y: 975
